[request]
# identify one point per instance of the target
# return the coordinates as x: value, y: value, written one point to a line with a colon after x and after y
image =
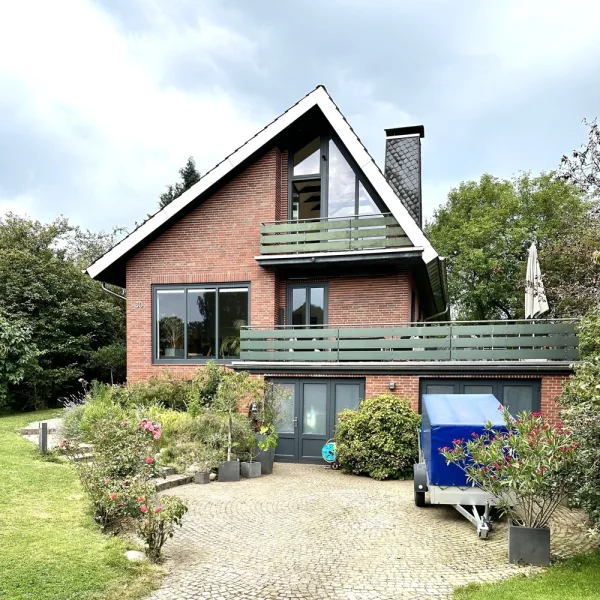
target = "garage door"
x: 516, y: 394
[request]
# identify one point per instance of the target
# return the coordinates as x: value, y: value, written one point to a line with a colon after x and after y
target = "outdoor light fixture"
x: 392, y: 386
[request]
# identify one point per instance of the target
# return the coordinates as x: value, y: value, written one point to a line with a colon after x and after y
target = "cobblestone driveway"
x: 308, y: 532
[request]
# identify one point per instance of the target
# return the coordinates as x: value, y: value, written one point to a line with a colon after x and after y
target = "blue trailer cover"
x: 447, y: 417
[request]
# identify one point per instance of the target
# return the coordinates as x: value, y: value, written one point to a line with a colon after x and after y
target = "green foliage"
x: 527, y: 466
x: 18, y: 354
x: 485, y: 230
x: 68, y: 315
x: 189, y: 176
x: 109, y: 362
x: 379, y: 439
x: 119, y: 469
x: 157, y: 521
x: 171, y: 392
x: 580, y: 403
x: 235, y: 390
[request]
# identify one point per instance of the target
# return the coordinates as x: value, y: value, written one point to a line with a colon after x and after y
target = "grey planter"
x: 529, y: 546
x: 250, y: 470
x: 265, y: 458
x: 201, y: 477
x: 229, y: 471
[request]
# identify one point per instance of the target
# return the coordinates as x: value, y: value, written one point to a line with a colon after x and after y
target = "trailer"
x: 445, y: 418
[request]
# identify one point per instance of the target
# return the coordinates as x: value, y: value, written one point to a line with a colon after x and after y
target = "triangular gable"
x: 318, y: 97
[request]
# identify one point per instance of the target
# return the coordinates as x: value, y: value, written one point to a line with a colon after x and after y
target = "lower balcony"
x: 547, y: 341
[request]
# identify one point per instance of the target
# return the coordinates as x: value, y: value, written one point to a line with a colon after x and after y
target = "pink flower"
x: 107, y: 481
x: 157, y: 435
x: 123, y: 423
x: 536, y: 414
x: 144, y: 508
x: 141, y: 499
x: 158, y: 509
x: 113, y: 496
x: 541, y: 470
x: 149, y: 460
x: 62, y: 443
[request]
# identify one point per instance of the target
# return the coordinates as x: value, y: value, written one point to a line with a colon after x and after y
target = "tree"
x: 582, y: 168
x: 485, y: 230
x: 189, y: 176
x: 70, y: 318
x: 18, y: 353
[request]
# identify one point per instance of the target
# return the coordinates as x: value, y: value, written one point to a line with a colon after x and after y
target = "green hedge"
x: 379, y: 439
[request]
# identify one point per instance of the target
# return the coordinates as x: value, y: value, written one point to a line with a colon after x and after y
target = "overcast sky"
x: 102, y: 101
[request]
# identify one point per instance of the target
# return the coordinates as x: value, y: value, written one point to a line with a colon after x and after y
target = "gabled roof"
x: 318, y: 97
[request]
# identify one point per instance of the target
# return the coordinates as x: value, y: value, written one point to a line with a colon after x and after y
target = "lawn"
x: 50, y: 548
x: 575, y: 579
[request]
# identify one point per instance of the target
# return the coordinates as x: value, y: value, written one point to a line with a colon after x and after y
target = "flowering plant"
x: 527, y: 465
x: 157, y: 520
x: 119, y: 468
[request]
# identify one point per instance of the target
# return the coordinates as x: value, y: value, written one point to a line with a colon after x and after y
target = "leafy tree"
x: 189, y: 176
x: 485, y: 230
x: 580, y: 404
x: 18, y: 354
x: 582, y: 168
x: 69, y: 316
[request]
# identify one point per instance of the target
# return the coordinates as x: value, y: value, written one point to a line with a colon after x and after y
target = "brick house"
x: 297, y: 259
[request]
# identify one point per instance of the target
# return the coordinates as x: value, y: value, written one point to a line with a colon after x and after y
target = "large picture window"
x: 199, y: 323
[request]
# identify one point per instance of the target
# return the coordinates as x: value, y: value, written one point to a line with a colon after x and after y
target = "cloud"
x: 78, y: 81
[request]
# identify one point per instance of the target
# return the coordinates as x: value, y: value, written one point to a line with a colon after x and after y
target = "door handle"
x: 295, y: 422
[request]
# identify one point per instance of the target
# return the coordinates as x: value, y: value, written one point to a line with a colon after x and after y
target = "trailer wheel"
x: 419, y: 499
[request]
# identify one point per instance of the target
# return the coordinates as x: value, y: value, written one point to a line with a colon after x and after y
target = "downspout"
x: 105, y: 289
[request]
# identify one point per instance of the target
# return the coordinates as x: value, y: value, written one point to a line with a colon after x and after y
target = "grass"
x: 575, y: 579
x: 50, y: 547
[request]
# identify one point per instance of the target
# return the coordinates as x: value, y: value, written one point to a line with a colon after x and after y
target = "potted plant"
x: 234, y: 388
x: 264, y: 416
x: 206, y: 459
x: 251, y: 469
x: 528, y: 466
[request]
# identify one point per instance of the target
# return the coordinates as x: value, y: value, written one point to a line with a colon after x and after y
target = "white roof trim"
x: 318, y: 97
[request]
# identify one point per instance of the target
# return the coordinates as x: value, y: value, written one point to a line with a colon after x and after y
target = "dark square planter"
x: 201, y: 477
x: 230, y: 471
x: 250, y: 470
x: 529, y: 546
x: 265, y: 457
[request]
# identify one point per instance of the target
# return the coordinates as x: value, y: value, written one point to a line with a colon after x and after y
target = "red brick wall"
x: 216, y: 243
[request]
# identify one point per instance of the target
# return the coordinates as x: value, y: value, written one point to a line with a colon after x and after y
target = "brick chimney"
x: 403, y: 167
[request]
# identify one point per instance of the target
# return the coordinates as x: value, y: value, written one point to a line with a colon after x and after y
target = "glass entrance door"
x: 309, y: 414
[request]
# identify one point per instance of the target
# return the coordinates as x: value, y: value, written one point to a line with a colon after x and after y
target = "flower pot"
x: 250, y: 470
x: 265, y: 457
x: 528, y: 545
x: 200, y: 477
x: 229, y: 471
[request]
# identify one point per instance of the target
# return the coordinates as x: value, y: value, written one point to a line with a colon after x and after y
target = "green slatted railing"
x: 332, y: 235
x: 458, y: 341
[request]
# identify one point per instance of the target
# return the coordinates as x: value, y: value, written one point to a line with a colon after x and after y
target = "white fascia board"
x: 212, y: 177
x: 317, y: 97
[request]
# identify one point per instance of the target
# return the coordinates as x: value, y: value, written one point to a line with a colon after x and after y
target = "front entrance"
x: 310, y: 414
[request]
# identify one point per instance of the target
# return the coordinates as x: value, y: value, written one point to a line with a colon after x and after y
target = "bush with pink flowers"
x: 157, y: 521
x: 528, y: 465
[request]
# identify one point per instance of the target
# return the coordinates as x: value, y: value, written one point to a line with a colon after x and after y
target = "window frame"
x: 324, y: 177
x: 307, y: 286
x: 192, y: 286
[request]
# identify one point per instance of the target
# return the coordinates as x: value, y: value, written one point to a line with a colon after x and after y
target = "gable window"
x: 199, y: 323
x: 324, y: 184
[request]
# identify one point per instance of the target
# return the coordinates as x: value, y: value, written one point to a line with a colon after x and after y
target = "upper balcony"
x: 546, y: 343
x: 376, y: 238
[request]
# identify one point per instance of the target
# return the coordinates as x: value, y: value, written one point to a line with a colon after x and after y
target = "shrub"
x: 580, y: 403
x: 119, y: 469
x: 527, y: 466
x: 379, y: 439
x: 157, y: 520
x: 168, y: 391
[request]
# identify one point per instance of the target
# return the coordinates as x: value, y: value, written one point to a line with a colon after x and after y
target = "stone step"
x: 36, y: 430
x: 172, y: 481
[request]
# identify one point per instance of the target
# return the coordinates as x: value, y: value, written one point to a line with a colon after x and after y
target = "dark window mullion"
x: 217, y: 340
x: 185, y: 325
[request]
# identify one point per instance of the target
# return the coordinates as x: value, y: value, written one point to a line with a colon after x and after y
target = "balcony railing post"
x: 338, y: 346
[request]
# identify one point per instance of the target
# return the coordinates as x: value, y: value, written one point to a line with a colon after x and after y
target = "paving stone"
x: 307, y: 532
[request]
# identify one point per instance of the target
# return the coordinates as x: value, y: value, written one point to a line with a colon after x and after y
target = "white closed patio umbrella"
x: 535, y: 297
